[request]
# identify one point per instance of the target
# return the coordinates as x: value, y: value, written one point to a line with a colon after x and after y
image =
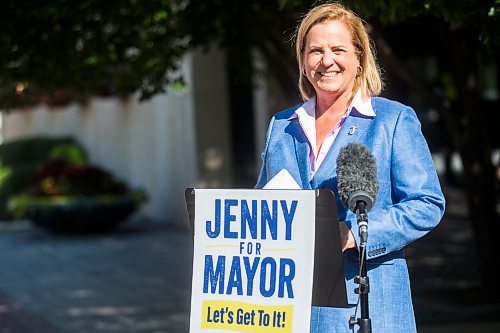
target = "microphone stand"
x: 364, y: 323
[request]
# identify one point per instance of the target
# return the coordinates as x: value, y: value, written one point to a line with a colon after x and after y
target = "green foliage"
x: 20, y: 158
x: 49, y: 181
x: 75, y: 214
x: 69, y: 153
x: 33, y: 151
x: 483, y: 17
x: 20, y: 205
x: 57, y: 177
x: 57, y: 51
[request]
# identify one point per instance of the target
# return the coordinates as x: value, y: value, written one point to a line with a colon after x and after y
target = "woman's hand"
x: 347, y: 240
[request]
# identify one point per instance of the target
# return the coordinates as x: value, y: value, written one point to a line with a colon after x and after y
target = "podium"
x: 329, y: 288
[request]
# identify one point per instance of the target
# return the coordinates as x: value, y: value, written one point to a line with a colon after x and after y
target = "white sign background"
x: 228, y: 311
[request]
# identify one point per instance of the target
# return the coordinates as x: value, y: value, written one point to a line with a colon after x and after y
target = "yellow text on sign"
x: 246, y: 317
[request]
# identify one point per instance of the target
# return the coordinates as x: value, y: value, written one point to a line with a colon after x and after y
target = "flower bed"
x: 65, y: 197
x: 78, y: 214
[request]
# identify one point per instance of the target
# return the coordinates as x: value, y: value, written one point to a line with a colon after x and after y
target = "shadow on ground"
x: 138, y: 279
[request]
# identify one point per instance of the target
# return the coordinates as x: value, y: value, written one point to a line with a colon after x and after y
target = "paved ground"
x: 445, y: 277
x: 135, y: 280
x: 138, y: 280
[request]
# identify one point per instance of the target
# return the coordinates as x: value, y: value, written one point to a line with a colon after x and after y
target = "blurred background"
x: 110, y: 109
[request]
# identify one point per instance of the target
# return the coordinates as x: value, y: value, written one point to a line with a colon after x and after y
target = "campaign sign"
x: 253, y: 261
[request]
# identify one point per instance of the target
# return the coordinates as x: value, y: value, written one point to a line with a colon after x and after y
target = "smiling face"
x: 330, y: 59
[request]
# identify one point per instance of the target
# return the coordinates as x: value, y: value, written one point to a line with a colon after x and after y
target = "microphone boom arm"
x: 362, y: 219
x: 360, y: 202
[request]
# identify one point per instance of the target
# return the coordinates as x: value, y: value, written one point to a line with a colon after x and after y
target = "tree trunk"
x: 481, y: 198
x: 479, y: 172
x: 239, y: 64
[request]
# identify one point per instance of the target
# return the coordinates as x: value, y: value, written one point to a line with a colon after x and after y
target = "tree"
x: 68, y: 49
x: 457, y: 34
x: 62, y: 50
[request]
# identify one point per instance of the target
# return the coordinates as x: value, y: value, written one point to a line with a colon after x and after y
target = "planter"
x: 75, y: 214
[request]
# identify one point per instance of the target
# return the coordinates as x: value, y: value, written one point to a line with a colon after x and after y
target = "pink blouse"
x: 307, y: 120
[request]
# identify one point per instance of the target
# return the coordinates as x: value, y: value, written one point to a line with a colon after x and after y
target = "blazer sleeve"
x: 262, y: 180
x: 416, y: 203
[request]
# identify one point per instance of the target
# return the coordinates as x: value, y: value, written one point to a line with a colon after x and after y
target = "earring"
x: 359, y: 71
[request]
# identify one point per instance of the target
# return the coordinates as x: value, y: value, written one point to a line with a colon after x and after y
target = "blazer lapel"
x: 351, y: 131
x: 302, y: 151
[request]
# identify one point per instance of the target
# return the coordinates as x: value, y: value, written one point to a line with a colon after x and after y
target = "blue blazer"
x: 408, y: 205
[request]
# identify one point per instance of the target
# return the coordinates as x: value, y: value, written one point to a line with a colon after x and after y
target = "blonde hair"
x: 369, y: 80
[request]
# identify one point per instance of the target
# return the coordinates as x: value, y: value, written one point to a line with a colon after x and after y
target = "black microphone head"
x: 356, y: 176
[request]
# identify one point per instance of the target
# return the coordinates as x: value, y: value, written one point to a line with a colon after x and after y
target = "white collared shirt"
x: 307, y: 120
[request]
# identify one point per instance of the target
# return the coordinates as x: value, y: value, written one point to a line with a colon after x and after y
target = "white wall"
x: 150, y: 145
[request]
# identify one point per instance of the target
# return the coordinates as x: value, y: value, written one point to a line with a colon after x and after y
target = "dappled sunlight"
x: 81, y: 293
x: 122, y: 282
x: 102, y: 311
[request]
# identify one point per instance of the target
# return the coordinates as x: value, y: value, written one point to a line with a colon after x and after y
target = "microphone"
x: 357, y: 182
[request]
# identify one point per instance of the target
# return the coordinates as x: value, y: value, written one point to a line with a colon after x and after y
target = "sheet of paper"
x: 282, y: 181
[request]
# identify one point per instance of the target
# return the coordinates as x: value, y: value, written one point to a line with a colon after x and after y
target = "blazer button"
x: 376, y: 252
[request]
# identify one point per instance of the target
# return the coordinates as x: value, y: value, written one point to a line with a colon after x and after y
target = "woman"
x: 339, y: 81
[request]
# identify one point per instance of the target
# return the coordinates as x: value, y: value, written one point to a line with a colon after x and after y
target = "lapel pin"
x: 352, y: 129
